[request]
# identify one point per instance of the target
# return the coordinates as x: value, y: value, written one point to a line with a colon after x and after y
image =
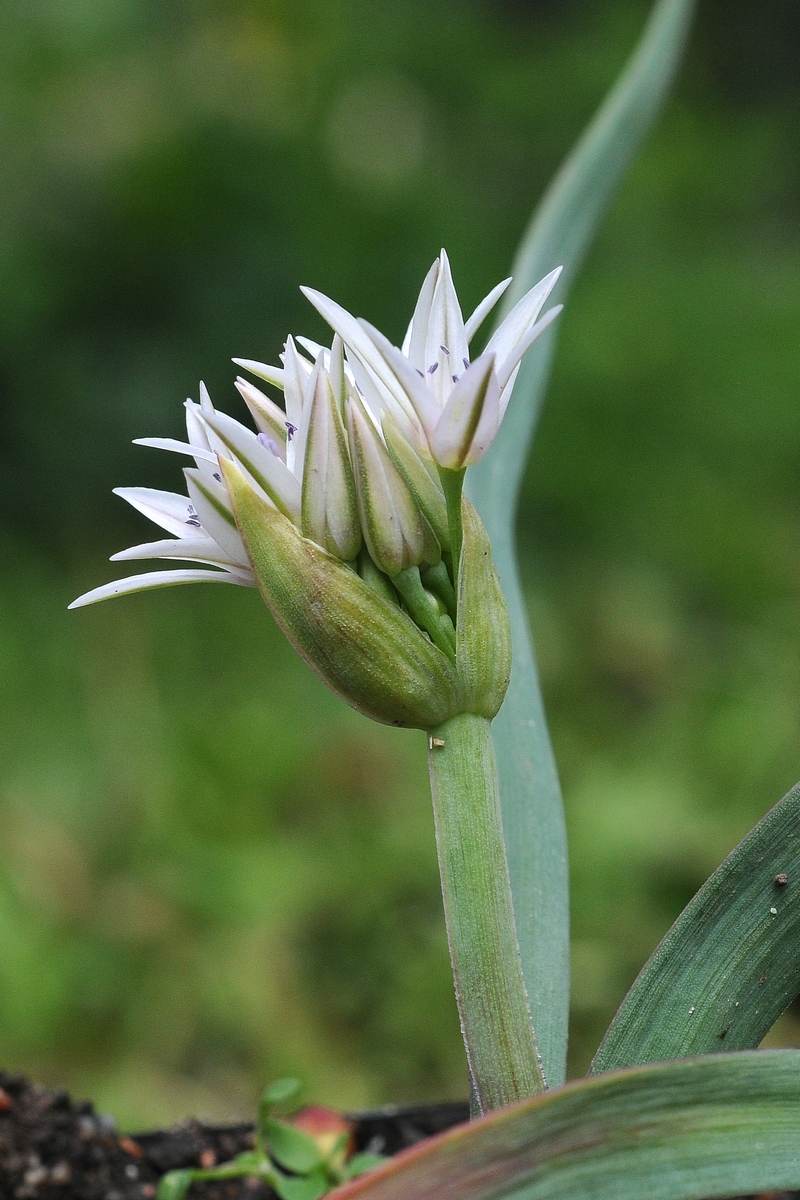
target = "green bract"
x: 362, y: 645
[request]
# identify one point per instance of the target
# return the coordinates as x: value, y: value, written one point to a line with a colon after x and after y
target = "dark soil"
x: 53, y: 1148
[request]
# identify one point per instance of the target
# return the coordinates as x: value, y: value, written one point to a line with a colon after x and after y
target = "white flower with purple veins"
x: 344, y: 459
x: 307, y: 441
x: 449, y: 406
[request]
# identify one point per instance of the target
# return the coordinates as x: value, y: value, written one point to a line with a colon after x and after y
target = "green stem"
x: 452, y: 486
x: 374, y: 577
x: 493, y: 1005
x: 437, y: 580
x: 425, y: 611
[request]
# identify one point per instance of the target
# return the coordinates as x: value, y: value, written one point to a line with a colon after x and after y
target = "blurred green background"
x: 211, y: 872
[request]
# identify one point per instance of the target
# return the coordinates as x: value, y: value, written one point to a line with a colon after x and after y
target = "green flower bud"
x: 329, y: 505
x: 396, y: 532
x: 365, y: 648
x: 426, y: 490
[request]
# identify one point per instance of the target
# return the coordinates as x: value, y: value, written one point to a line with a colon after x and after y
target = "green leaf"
x: 310, y: 1188
x: 716, y: 1126
x: 731, y: 962
x: 174, y: 1185
x: 280, y: 1091
x: 291, y: 1147
x: 560, y: 232
x: 248, y: 1160
x: 359, y: 1164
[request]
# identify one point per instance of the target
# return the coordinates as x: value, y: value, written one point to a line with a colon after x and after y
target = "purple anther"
x: 291, y: 430
x: 466, y: 363
x: 433, y: 368
x: 444, y: 348
x: 267, y: 441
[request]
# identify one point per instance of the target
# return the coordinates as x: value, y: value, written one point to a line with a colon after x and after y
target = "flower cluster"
x: 361, y: 468
x: 349, y: 458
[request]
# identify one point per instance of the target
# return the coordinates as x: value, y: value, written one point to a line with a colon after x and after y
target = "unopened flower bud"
x: 397, y: 534
x: 329, y: 504
x: 426, y: 490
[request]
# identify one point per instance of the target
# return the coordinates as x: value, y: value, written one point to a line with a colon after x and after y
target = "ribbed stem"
x: 492, y: 1003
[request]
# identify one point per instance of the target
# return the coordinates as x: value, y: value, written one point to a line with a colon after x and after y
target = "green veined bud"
x: 329, y: 504
x: 397, y: 534
x: 425, y: 489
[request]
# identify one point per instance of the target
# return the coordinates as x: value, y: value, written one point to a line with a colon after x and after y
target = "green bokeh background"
x: 211, y: 872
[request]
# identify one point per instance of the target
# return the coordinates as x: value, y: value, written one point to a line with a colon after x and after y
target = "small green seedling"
x: 296, y: 1164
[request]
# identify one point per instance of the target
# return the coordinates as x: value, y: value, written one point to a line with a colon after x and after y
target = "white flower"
x: 449, y: 406
x: 202, y: 525
x: 343, y: 459
x: 299, y: 461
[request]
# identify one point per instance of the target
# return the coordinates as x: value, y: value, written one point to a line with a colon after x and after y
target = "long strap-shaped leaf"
x: 560, y: 232
x: 699, y: 1128
x: 731, y: 962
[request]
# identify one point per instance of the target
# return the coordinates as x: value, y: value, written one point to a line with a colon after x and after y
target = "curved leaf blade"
x: 731, y: 962
x: 686, y: 1130
x: 560, y: 232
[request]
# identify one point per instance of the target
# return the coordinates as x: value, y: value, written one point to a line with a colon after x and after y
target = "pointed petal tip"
x: 154, y: 579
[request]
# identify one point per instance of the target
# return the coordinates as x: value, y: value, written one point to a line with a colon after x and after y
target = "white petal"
x: 266, y: 414
x: 522, y: 316
x: 356, y: 339
x: 298, y: 371
x: 169, y: 510
x: 446, y: 348
x: 216, y: 445
x: 507, y: 391
x: 508, y: 366
x: 471, y: 417
x: 200, y: 549
x: 417, y: 334
x: 272, y: 375
x: 205, y: 399
x: 486, y: 305
x: 270, y: 472
x: 178, y: 447
x: 415, y: 388
x: 155, y: 579
x: 195, y: 429
x: 213, y: 507
x: 315, y: 349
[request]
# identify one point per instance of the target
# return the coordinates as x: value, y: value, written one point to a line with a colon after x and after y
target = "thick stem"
x: 492, y: 1002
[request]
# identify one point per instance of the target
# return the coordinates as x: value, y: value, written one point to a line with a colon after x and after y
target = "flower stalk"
x: 492, y: 1002
x: 453, y: 486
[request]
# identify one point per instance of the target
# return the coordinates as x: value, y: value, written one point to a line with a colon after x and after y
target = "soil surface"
x: 54, y: 1148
